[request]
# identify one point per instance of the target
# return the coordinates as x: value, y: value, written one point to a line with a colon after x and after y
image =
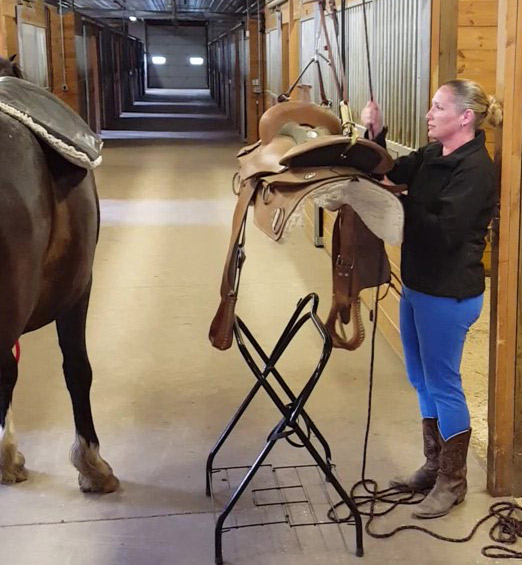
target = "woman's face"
x: 444, y: 118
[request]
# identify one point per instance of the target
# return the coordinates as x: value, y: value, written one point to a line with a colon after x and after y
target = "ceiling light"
x: 196, y: 60
x: 133, y: 18
x: 158, y: 60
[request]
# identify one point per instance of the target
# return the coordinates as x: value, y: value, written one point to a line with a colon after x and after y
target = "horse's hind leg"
x: 12, y: 462
x: 95, y: 474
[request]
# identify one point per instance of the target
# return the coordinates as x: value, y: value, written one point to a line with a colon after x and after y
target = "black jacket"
x: 448, y: 207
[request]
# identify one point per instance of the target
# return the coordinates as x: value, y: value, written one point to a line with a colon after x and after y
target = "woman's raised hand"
x: 371, y: 118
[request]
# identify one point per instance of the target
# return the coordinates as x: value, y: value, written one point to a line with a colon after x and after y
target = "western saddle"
x: 302, y: 152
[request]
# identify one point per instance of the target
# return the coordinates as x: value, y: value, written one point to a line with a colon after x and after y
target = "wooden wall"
x: 8, y: 31
x: 477, y: 47
x: 46, y: 16
x: 3, y: 33
x: 64, y: 80
x: 79, y: 82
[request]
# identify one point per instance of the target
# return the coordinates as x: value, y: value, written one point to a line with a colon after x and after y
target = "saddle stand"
x: 302, y: 154
x: 295, y: 424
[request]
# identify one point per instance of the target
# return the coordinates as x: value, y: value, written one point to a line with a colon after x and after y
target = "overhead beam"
x: 107, y: 13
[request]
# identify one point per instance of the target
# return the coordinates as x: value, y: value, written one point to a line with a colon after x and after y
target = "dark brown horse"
x: 49, y: 223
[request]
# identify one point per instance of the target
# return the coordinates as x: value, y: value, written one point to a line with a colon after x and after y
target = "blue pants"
x: 433, y: 331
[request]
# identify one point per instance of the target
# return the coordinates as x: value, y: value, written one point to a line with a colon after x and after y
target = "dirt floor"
x: 475, y: 377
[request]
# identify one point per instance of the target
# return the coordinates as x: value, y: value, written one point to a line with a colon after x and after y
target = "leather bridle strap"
x: 348, y: 124
x: 322, y: 12
x: 221, y: 328
x: 343, y: 79
x: 315, y: 59
x: 322, y: 91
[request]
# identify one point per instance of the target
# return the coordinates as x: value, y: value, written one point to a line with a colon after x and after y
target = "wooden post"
x: 293, y: 41
x: 3, y: 32
x: 285, y: 56
x: 444, y: 18
x: 505, y: 380
x: 254, y: 92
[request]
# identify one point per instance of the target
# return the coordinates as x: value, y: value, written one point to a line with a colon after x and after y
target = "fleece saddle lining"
x: 51, y: 120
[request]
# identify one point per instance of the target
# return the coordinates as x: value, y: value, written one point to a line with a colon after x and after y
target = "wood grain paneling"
x: 3, y: 32
x: 477, y: 37
x: 477, y: 48
x: 12, y: 36
x: 478, y: 13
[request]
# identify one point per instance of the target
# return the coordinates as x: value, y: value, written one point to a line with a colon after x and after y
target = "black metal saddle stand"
x: 292, y: 410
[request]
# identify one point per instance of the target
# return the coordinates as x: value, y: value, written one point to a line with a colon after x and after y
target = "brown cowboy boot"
x: 423, y: 479
x: 451, y: 485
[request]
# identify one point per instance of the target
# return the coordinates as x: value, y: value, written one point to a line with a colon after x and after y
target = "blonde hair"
x: 470, y: 95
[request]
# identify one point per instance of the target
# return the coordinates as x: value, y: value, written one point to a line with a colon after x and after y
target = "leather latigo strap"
x: 359, y: 261
x: 221, y: 328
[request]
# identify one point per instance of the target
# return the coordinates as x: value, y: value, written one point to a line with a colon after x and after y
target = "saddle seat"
x: 302, y: 134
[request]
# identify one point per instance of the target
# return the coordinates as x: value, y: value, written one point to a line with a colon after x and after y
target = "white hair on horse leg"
x: 95, y: 474
x: 7, y: 440
x: 12, y: 462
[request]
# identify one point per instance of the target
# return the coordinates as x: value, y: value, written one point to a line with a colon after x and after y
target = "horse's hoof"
x: 16, y: 474
x: 100, y: 484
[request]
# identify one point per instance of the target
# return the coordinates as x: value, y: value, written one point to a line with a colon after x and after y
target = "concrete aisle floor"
x: 162, y: 394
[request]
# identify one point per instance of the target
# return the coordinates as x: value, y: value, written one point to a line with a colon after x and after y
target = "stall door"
x: 177, y: 56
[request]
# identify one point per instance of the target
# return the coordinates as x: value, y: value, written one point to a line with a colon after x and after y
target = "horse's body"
x: 49, y: 223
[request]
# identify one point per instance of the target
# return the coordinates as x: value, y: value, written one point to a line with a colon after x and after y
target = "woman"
x: 452, y: 193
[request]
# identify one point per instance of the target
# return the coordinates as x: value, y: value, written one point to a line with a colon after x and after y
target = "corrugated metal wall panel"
x: 274, y: 63
x: 309, y: 43
x: 398, y: 34
x: 357, y: 68
x: 400, y: 61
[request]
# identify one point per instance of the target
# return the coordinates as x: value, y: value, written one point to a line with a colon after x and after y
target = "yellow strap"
x: 348, y: 125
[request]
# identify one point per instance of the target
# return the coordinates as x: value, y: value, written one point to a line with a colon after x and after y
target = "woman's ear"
x: 468, y: 117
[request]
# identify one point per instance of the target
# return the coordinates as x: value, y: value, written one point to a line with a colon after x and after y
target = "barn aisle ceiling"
x: 202, y: 10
